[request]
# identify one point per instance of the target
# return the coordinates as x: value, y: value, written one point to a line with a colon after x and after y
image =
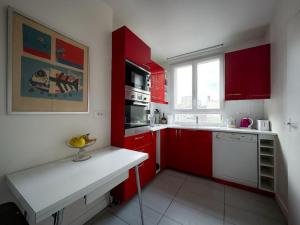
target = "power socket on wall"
x: 98, y: 115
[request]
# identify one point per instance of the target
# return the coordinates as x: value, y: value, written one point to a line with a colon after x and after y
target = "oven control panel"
x: 136, y: 96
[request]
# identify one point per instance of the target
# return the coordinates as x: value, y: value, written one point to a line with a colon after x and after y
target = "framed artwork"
x: 48, y: 72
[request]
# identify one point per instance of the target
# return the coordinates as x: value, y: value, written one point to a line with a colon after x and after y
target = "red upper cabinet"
x: 136, y: 50
x: 247, y: 74
x: 157, y: 83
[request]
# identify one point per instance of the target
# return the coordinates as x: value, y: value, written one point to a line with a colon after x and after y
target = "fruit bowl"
x: 86, y: 145
x: 81, y: 155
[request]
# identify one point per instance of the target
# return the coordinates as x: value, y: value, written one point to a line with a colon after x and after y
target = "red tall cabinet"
x: 127, y: 46
x: 247, y: 73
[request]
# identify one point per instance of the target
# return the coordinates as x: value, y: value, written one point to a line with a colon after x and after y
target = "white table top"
x: 57, y: 184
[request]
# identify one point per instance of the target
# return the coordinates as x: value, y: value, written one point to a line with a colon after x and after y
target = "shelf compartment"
x: 267, y: 171
x: 267, y: 160
x: 267, y: 165
x: 267, y: 184
x: 266, y: 143
x: 266, y: 151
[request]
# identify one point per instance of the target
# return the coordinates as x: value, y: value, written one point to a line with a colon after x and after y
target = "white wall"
x: 29, y: 140
x: 275, y: 108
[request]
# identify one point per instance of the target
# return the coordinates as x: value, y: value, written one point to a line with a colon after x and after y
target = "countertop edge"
x: 214, y: 129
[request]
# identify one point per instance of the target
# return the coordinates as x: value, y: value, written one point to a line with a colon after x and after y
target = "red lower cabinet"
x: 190, y: 151
x: 196, y: 150
x: 147, y: 170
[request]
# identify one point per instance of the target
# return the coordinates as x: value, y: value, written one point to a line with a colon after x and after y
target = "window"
x: 183, y: 85
x: 197, y: 92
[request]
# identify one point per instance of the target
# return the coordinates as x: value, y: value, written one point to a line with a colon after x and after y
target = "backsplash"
x: 235, y: 109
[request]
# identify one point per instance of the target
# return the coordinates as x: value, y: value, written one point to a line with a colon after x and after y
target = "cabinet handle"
x: 234, y: 94
x: 138, y: 138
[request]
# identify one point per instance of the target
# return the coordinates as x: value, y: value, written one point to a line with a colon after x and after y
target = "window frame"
x: 194, y: 109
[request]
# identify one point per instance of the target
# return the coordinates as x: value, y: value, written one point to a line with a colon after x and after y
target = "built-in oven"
x: 137, y: 111
x: 137, y: 77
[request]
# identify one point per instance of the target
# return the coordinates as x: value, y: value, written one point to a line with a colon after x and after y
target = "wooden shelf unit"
x: 267, y: 162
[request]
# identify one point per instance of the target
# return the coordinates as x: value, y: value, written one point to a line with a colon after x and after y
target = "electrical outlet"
x: 98, y: 115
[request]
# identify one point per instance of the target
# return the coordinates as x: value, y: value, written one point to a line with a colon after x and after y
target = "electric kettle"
x: 246, y: 122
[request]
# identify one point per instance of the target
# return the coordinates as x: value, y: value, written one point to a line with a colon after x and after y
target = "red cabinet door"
x: 157, y: 83
x: 148, y: 168
x: 158, y: 87
x: 235, y: 76
x: 196, y: 152
x: 144, y: 143
x: 247, y: 73
x: 173, y: 150
x: 258, y: 86
x: 136, y: 50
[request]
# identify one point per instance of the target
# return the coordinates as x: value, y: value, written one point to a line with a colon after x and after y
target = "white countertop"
x: 210, y: 128
x: 56, y: 184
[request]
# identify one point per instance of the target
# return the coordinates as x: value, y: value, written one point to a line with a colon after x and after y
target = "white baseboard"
x: 282, y: 206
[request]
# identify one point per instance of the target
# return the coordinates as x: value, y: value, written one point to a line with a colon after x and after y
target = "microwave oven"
x: 137, y: 77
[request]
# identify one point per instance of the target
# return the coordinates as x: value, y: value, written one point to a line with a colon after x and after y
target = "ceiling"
x: 173, y: 27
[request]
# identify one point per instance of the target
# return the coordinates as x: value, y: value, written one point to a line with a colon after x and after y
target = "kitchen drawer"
x: 137, y: 141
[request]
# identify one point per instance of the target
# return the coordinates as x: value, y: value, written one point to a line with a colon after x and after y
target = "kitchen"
x: 203, y: 122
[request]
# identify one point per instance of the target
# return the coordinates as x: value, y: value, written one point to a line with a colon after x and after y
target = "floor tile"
x: 197, y: 202
x: 156, y: 198
x: 204, y: 181
x: 106, y: 218
x: 271, y: 221
x: 130, y: 213
x: 239, y: 216
x: 203, y: 191
x: 187, y: 215
x: 169, y: 184
x: 174, y: 173
x: 257, y: 203
x: 166, y: 186
x: 167, y: 221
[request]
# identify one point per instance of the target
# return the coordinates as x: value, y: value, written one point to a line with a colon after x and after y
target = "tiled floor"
x: 175, y: 198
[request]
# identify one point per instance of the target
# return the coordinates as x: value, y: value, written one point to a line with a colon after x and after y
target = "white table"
x: 47, y: 189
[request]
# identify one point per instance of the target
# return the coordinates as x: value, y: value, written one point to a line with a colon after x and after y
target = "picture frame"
x: 48, y: 72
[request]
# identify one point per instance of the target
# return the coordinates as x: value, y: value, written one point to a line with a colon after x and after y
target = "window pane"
x: 183, y: 87
x: 208, y: 84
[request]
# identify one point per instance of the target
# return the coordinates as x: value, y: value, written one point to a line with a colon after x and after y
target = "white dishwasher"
x: 235, y: 158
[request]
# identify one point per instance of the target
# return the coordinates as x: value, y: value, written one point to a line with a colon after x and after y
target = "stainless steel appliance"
x: 137, y: 77
x: 137, y: 111
x: 263, y: 125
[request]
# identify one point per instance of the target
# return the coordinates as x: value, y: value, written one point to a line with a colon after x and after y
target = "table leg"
x: 58, y: 217
x: 138, y: 184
